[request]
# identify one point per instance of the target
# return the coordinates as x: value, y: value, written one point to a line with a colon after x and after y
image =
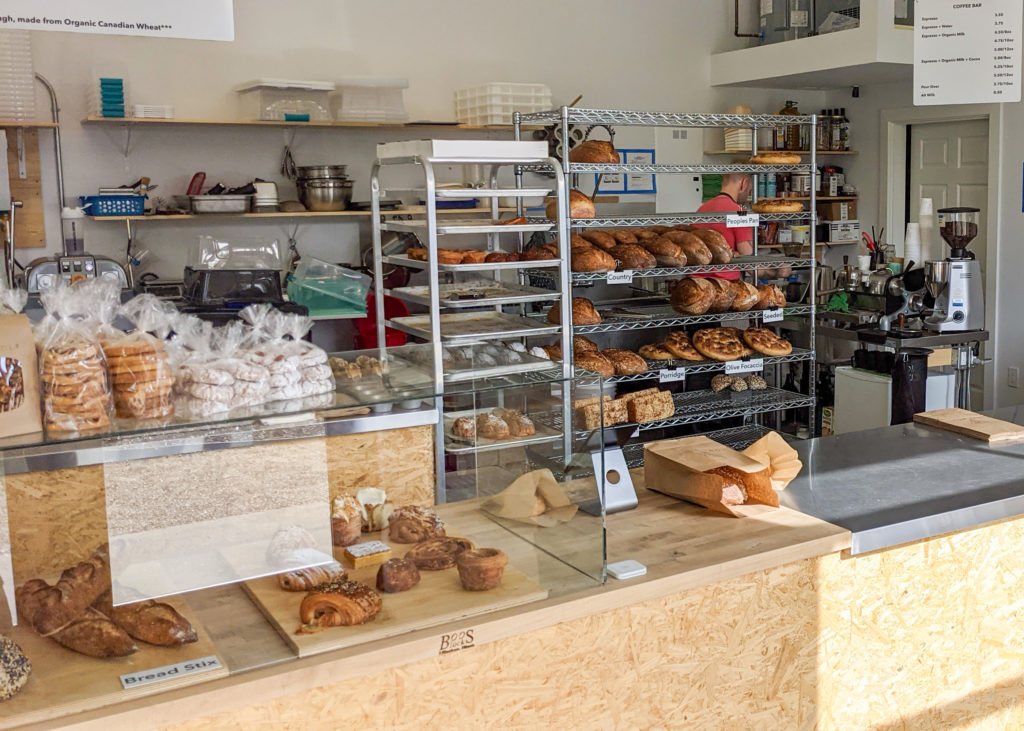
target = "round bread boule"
x: 626, y: 362
x: 595, y: 363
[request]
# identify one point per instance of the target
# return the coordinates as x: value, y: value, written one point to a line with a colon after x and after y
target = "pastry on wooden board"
x: 150, y: 621
x: 438, y: 554
x: 47, y: 608
x: 306, y: 579
x: 15, y: 668
x: 414, y: 523
x: 396, y: 575
x: 94, y: 634
x: 481, y: 569
x: 341, y: 603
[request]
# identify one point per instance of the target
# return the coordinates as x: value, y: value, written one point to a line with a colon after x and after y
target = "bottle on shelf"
x: 788, y: 137
x: 844, y: 130
x: 762, y: 186
x: 771, y: 186
x: 824, y: 136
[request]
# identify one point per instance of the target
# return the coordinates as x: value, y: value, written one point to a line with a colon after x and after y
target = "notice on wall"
x: 967, y: 52
x: 206, y: 20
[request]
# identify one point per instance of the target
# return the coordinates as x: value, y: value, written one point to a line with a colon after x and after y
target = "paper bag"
x: 19, y: 377
x: 678, y: 467
x: 519, y: 500
x: 773, y: 451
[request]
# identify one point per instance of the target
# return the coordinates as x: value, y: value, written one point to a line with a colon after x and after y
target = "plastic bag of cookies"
x: 141, y: 378
x: 74, y: 383
x: 298, y: 369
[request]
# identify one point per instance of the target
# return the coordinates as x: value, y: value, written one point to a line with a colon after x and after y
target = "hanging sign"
x: 967, y: 52
x: 205, y: 20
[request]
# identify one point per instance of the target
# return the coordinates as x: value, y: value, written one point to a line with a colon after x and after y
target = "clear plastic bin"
x: 371, y: 100
x: 284, y: 100
x: 17, y: 76
x: 328, y: 289
x: 495, y: 102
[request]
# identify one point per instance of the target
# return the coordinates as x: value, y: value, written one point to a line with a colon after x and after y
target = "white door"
x: 949, y: 164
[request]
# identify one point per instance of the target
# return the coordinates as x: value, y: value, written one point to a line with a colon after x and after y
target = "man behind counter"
x: 736, y: 189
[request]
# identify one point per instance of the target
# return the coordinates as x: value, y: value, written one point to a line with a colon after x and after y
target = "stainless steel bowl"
x: 325, y: 195
x: 320, y: 171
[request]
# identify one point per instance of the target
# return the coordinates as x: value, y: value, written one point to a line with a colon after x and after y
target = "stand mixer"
x: 955, y: 282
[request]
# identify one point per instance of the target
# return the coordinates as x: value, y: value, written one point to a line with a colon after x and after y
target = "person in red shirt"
x: 736, y: 189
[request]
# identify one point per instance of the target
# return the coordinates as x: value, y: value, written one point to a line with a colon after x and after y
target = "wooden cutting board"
x: 438, y: 598
x: 970, y: 424
x: 64, y: 681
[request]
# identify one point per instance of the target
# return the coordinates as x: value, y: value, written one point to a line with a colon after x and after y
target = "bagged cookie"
x: 298, y: 369
x: 75, y: 386
x: 140, y: 375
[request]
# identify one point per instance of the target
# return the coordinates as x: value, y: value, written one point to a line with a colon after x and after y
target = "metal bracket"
x: 615, y: 485
x: 22, y: 168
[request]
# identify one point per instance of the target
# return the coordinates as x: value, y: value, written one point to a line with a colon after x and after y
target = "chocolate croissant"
x: 307, y: 579
x: 340, y: 603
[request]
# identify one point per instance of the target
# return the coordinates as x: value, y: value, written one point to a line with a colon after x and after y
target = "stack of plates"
x: 17, y: 76
x: 739, y: 140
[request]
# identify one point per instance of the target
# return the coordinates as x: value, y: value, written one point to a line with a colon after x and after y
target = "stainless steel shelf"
x: 705, y: 366
x: 665, y: 316
x: 468, y: 226
x: 493, y: 294
x: 405, y: 261
x: 693, y: 407
x: 462, y: 193
x: 738, y: 438
x: 471, y: 327
x: 670, y: 219
x: 622, y: 117
x: 588, y: 167
x: 743, y: 264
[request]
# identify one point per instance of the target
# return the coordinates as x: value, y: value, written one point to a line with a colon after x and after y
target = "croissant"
x: 341, y: 603
x: 412, y: 524
x: 149, y: 621
x: 307, y: 579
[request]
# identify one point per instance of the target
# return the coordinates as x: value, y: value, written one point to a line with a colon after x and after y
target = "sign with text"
x: 170, y: 672
x: 735, y: 367
x: 967, y: 52
x: 672, y: 375
x: 775, y: 315
x: 623, y: 277
x: 749, y: 220
x: 204, y: 20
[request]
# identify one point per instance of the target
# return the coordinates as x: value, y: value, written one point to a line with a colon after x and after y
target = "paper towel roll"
x: 912, y: 245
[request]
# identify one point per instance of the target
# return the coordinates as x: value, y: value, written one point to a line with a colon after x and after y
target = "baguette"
x: 95, y: 635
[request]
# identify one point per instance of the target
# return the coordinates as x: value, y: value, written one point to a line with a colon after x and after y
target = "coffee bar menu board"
x: 967, y: 52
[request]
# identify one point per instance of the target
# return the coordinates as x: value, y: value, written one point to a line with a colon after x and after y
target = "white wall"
x: 646, y: 54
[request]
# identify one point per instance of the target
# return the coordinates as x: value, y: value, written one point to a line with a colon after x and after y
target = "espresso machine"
x: 955, y: 282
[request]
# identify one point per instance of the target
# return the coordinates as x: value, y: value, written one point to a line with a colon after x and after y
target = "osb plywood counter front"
x: 725, y: 602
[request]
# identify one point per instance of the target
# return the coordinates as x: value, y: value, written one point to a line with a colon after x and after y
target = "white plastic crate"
x: 281, y: 99
x: 17, y: 76
x: 371, y: 100
x: 495, y: 102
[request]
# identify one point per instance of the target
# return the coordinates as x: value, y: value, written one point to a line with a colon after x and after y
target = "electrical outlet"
x: 1012, y: 376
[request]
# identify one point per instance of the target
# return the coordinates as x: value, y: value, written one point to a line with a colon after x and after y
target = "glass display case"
x: 203, y: 549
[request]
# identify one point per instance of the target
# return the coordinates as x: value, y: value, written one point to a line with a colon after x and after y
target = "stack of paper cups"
x: 912, y: 245
x: 930, y: 249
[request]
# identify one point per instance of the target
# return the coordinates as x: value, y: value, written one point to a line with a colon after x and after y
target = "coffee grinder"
x: 955, y: 282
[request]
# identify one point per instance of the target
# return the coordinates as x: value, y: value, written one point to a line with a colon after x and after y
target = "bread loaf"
x: 583, y: 344
x: 632, y: 256
x: 594, y: 151
x: 769, y: 296
x: 693, y: 296
x: 600, y: 239
x: 583, y: 313
x: 592, y: 260
x: 746, y: 296
x: 95, y: 635
x: 626, y: 362
x: 623, y: 236
x: 650, y: 408
x: 734, y: 484
x: 697, y: 252
x: 724, y: 296
x: 595, y: 363
x: 149, y: 621
x: 580, y: 206
x: 721, y: 252
x: 48, y: 608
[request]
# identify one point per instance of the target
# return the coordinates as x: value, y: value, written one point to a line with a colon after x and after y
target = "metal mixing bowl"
x: 320, y: 171
x: 325, y: 195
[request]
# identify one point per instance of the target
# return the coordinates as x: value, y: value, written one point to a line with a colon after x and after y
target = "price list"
x: 967, y: 52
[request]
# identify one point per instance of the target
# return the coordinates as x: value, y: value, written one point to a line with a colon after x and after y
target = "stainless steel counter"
x: 903, y: 483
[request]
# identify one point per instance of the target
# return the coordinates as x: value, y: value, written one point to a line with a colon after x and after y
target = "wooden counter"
x: 709, y: 576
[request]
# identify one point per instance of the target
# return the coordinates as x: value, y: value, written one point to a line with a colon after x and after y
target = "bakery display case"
x: 151, y: 559
x: 679, y: 327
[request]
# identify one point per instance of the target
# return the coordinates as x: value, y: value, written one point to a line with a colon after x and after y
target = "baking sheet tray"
x: 482, y: 293
x: 462, y: 445
x: 405, y: 261
x: 465, y: 327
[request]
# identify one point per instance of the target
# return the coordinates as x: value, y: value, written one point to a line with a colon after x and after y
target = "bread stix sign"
x: 205, y: 20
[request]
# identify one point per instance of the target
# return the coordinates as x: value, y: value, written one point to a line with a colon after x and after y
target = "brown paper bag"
x: 519, y: 501
x: 678, y: 467
x: 773, y: 451
x: 19, y: 377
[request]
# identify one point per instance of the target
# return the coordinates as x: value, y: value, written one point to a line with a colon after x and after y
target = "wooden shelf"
x: 15, y: 124
x: 122, y: 121
x: 794, y: 152
x: 411, y: 210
